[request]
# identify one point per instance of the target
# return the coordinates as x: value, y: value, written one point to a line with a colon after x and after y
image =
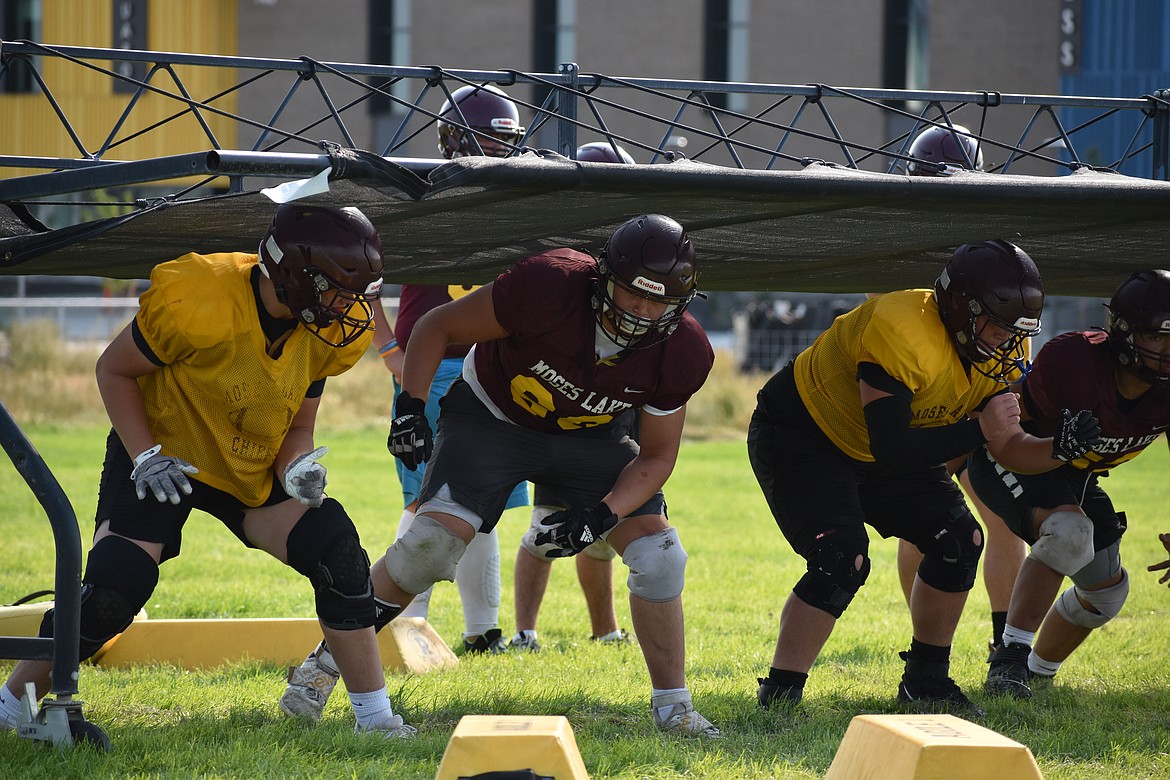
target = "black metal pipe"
x: 67, y: 583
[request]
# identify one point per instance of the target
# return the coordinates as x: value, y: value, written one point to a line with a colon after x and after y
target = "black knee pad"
x: 950, y: 558
x: 324, y: 546
x: 832, y: 580
x: 119, y: 578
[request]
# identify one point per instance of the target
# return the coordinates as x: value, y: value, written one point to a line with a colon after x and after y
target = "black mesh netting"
x: 824, y: 228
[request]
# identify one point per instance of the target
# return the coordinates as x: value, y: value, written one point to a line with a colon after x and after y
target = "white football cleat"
x: 681, y: 717
x: 310, y: 684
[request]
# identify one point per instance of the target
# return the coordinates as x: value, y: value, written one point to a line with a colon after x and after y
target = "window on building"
x: 726, y: 47
x: 389, y: 44
x: 554, y: 41
x: 19, y: 20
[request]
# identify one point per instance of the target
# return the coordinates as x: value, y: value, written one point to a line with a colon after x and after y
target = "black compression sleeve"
x: 891, y: 439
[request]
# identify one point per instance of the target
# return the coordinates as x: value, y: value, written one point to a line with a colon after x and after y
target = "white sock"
x: 478, y: 578
x: 9, y: 709
x: 1017, y: 636
x: 371, y: 709
x: 1038, y: 665
x: 420, y: 605
x: 655, y: 693
x: 527, y: 633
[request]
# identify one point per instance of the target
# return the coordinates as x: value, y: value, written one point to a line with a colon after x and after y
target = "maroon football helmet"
x: 997, y: 279
x: 952, y: 147
x: 485, y: 109
x: 651, y: 257
x: 1141, y: 305
x: 326, y: 266
x: 603, y: 152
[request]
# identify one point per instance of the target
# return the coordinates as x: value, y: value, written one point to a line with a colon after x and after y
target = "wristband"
x: 388, y: 347
x: 146, y: 455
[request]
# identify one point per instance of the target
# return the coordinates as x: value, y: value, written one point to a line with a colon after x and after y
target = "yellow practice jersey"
x: 220, y: 402
x: 902, y: 333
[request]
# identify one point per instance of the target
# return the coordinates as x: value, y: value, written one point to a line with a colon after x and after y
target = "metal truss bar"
x: 506, y: 77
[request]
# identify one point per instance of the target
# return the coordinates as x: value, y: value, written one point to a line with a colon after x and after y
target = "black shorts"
x: 480, y: 458
x: 149, y: 520
x: 1015, y: 497
x: 811, y: 486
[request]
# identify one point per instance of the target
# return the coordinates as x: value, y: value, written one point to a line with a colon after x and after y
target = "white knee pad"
x: 1066, y: 542
x: 1107, y: 602
x: 600, y: 551
x: 425, y: 554
x: 657, y: 564
x: 528, y: 541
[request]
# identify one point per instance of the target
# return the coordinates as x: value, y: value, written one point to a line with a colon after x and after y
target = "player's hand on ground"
x: 572, y: 530
x: 1077, y: 435
x: 163, y: 475
x: 1164, y: 565
x: 410, y: 437
x: 304, y: 478
x: 999, y: 415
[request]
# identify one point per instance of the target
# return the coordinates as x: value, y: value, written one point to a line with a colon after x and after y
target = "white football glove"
x: 163, y: 475
x: 304, y: 478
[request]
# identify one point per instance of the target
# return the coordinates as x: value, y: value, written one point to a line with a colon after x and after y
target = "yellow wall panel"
x: 87, y: 97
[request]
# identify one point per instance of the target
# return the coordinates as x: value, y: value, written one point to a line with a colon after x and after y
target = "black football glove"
x: 572, y: 530
x: 410, y: 437
x: 1077, y: 435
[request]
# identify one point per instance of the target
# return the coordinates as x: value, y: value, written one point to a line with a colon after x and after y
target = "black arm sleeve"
x: 891, y: 439
x: 316, y: 389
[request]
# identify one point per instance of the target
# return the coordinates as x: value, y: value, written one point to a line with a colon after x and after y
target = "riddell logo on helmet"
x: 1027, y: 323
x: 649, y: 285
x: 505, y: 123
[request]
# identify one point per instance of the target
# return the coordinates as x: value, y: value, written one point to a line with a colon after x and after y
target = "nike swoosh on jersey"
x: 634, y: 390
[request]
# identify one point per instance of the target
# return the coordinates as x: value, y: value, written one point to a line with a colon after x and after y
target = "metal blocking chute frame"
x: 59, y: 719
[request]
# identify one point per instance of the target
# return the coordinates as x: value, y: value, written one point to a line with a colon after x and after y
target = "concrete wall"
x: 997, y: 45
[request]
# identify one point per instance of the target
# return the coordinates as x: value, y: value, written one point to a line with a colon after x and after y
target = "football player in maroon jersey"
x: 494, y: 130
x: 1121, y: 375
x: 1164, y: 565
x: 565, y: 347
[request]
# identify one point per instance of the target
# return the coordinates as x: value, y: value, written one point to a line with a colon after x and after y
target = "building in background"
x: 1115, y: 48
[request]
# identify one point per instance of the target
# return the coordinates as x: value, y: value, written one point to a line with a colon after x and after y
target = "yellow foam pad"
x: 496, y: 743
x: 407, y: 644
x: 25, y: 620
x: 928, y: 747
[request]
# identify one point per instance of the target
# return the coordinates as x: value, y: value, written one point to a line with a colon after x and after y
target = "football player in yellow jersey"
x: 213, y: 391
x: 948, y: 151
x: 857, y: 430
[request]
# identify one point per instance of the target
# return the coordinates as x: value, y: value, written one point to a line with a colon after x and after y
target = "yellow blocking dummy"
x: 495, y: 743
x: 928, y: 747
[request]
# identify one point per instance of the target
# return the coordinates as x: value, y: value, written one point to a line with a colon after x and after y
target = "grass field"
x: 1108, y: 716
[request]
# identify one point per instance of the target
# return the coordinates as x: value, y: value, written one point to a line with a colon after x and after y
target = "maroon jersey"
x: 1076, y: 371
x: 415, y: 300
x: 546, y: 375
